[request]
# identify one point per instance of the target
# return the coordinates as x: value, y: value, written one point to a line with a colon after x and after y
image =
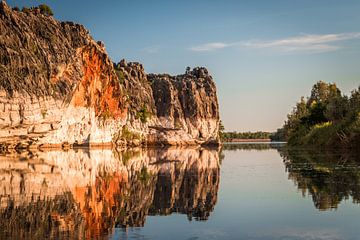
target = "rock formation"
x: 58, y: 87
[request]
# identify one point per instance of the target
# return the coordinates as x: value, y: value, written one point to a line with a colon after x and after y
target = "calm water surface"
x: 244, y: 191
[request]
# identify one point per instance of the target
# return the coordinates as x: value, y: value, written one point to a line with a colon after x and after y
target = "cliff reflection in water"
x: 82, y: 193
x: 327, y: 176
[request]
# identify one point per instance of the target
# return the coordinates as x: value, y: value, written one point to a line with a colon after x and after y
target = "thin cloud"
x: 151, y: 49
x: 209, y: 47
x: 314, y: 43
x: 305, y: 43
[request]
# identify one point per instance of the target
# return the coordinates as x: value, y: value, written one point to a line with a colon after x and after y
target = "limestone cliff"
x: 59, y: 87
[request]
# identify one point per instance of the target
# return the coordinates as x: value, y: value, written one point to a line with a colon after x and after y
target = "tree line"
x: 228, y: 136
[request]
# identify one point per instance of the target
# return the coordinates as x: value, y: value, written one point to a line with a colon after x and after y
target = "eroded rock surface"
x: 59, y: 87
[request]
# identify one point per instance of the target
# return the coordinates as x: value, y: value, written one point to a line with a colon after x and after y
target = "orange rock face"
x: 99, y: 87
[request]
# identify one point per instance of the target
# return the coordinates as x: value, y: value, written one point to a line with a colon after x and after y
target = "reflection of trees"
x: 146, y: 182
x: 250, y: 146
x: 329, y: 178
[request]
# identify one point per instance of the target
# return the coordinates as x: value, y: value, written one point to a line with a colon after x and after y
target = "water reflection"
x: 82, y: 194
x: 328, y: 177
x: 252, y: 146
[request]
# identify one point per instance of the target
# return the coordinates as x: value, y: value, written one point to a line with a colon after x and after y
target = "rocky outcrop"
x: 58, y: 87
x: 88, y: 193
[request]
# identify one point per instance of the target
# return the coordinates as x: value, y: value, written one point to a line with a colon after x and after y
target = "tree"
x: 354, y: 103
x: 322, y: 91
x: 327, y: 118
x: 337, y: 108
x: 46, y: 10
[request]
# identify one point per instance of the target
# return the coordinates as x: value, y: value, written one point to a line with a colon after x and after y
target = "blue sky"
x: 263, y: 55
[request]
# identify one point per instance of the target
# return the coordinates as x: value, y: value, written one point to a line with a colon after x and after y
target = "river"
x: 242, y: 191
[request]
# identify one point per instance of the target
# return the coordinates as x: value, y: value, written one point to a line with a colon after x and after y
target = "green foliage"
x: 278, y: 136
x: 143, y: 114
x: 120, y: 76
x: 126, y: 134
x: 326, y: 118
x: 320, y: 134
x: 228, y: 136
x: 119, y: 73
x: 46, y: 10
x: 144, y: 175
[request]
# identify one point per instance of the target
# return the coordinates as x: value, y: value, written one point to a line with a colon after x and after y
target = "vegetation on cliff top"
x: 42, y: 8
x: 326, y: 119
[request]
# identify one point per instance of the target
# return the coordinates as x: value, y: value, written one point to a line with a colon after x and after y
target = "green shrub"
x: 46, y: 10
x: 143, y: 114
x: 144, y: 175
x: 120, y: 76
x: 320, y: 134
x: 129, y: 135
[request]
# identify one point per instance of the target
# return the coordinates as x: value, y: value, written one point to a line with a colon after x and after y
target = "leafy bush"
x: 143, y: 114
x: 46, y: 10
x: 120, y: 76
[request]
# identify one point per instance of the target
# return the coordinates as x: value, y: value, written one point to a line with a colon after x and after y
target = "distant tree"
x: 46, y: 10
x: 187, y: 70
x: 279, y: 135
x: 16, y: 8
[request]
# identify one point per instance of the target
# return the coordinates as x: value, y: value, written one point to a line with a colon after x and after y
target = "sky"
x: 263, y: 55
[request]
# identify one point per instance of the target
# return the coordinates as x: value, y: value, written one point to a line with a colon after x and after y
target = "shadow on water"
x: 328, y: 177
x: 85, y: 194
